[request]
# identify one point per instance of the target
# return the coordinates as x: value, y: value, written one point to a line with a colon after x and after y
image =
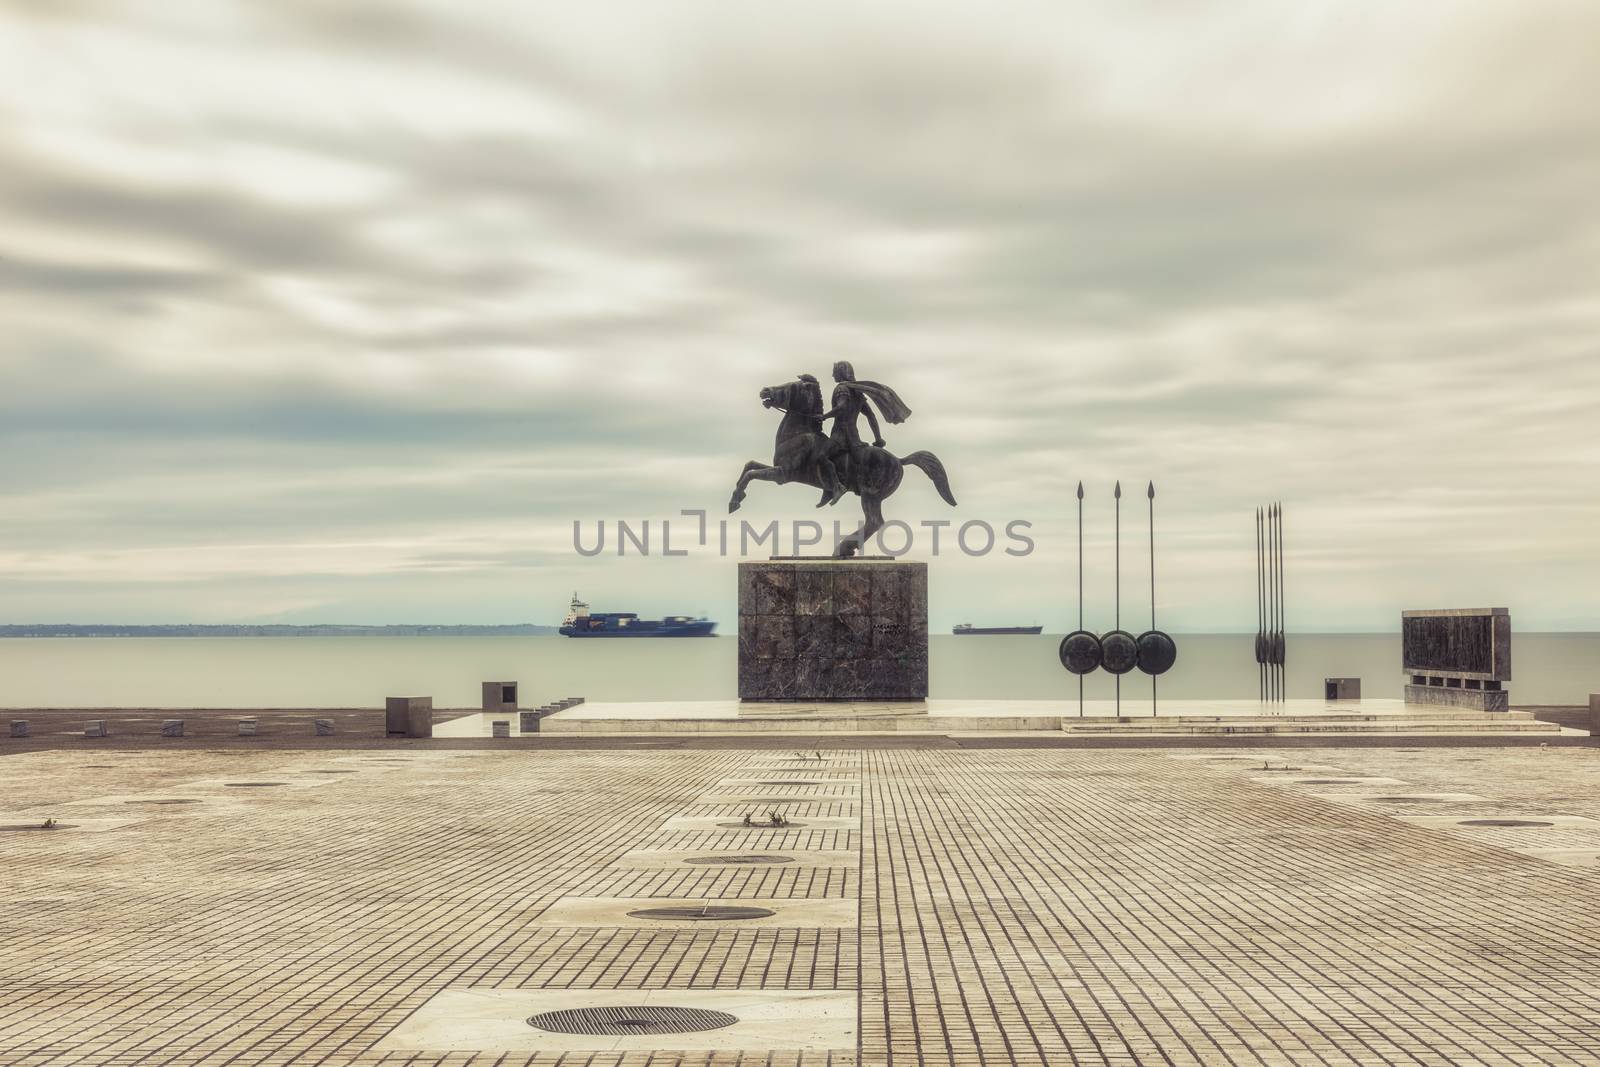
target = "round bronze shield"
x: 1261, y: 648
x: 1119, y: 652
x: 1157, y: 652
x: 1080, y: 652
x: 1277, y: 648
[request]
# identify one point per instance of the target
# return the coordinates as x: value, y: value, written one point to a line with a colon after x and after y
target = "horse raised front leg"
x: 753, y: 469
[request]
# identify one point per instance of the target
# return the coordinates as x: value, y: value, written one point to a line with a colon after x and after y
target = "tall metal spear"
x: 1080, y: 587
x: 1272, y: 574
x: 1118, y: 495
x: 1261, y: 607
x: 1281, y: 645
x: 1150, y: 494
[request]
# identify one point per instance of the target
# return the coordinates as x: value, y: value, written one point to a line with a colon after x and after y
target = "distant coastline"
x: 76, y: 630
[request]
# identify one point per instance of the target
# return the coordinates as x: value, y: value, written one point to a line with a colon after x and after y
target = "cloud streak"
x: 347, y: 312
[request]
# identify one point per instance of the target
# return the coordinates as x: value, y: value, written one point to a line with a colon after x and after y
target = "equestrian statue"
x: 839, y: 461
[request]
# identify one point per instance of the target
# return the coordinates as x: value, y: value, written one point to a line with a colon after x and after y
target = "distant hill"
x: 228, y: 630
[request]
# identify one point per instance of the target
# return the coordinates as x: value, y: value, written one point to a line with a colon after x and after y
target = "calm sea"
x: 243, y: 672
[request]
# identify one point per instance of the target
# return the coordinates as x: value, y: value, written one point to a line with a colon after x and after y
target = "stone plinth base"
x: 830, y: 629
x: 1477, y: 699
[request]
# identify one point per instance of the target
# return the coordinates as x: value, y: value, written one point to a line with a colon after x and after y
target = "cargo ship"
x: 966, y: 629
x: 581, y: 622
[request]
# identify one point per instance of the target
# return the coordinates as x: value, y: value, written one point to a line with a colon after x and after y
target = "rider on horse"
x: 846, y: 450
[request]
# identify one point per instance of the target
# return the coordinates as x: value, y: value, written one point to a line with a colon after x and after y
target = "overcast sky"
x: 346, y: 311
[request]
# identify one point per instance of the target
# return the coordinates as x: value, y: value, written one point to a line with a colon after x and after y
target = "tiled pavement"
x: 1044, y: 906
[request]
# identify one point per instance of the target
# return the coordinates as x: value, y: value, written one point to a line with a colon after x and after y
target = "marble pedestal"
x: 1452, y: 697
x: 830, y: 629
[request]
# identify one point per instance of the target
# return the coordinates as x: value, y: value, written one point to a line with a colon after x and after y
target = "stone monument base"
x: 1477, y: 699
x: 833, y: 629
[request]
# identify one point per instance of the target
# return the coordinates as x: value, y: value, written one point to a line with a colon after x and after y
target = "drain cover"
x: 802, y: 781
x: 173, y: 800
x: 333, y: 772
x: 22, y: 828
x: 1404, y: 800
x: 1504, y: 822
x: 623, y: 1021
x: 708, y: 913
x: 251, y: 785
x: 790, y: 825
x: 1328, y: 781
x: 748, y: 857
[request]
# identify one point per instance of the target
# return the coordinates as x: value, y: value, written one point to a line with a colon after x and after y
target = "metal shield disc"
x: 1080, y: 652
x: 1261, y: 648
x: 1119, y: 652
x: 1277, y: 648
x: 1157, y: 652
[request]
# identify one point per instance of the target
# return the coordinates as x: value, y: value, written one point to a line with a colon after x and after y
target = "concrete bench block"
x: 501, y: 727
x: 171, y: 727
x: 95, y: 728
x: 324, y: 727
x: 529, y: 723
x: 247, y: 727
x: 409, y: 716
x: 19, y: 727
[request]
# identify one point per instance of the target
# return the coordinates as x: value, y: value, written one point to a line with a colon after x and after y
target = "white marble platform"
x: 1012, y: 716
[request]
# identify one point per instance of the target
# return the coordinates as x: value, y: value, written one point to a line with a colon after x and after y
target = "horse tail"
x: 929, y: 464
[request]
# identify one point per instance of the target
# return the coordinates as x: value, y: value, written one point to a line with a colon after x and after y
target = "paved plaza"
x: 417, y: 903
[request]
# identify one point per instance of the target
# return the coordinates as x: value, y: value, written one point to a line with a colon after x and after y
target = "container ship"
x: 966, y: 629
x: 581, y: 622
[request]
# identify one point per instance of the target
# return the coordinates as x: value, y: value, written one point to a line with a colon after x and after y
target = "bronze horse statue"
x: 801, y: 454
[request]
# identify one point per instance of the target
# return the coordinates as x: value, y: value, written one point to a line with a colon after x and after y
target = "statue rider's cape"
x: 887, y: 401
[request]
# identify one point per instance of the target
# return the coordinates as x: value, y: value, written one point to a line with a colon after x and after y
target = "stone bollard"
x: 529, y: 722
x: 1594, y: 714
x: 409, y: 716
x: 324, y: 727
x: 19, y: 727
x: 171, y: 727
x: 96, y: 728
x: 502, y: 727
x: 247, y: 727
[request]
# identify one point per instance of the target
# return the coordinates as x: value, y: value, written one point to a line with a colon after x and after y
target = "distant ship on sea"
x: 965, y: 629
x: 581, y: 622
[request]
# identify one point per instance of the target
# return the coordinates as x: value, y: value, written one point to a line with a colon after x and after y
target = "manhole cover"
x: 707, y: 913
x: 1404, y: 800
x: 758, y: 825
x: 23, y: 828
x: 171, y: 800
x: 1328, y: 781
x: 1504, y: 822
x: 252, y: 785
x: 732, y: 861
x: 99, y: 766
x: 796, y: 782
x: 622, y: 1021
x: 333, y: 772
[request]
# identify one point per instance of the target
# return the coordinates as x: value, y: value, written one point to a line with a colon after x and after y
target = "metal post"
x: 1080, y: 587
x: 1150, y: 493
x: 1118, y: 542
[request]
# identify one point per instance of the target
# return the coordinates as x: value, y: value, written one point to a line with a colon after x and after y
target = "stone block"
x: 409, y: 716
x: 826, y: 629
x: 171, y: 727
x: 1341, y: 688
x: 499, y: 696
x: 501, y: 727
x: 1594, y: 714
x: 324, y: 727
x: 529, y: 722
x: 95, y: 728
x: 19, y: 727
x: 247, y: 727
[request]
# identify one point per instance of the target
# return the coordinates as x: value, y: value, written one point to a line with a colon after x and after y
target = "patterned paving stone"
x: 1015, y: 905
